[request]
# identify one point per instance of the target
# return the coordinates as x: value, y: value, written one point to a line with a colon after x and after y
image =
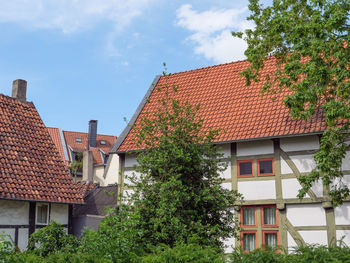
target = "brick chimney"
x: 19, y: 89
x: 92, y: 134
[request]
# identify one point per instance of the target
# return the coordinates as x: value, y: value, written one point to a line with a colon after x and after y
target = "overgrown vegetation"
x: 310, y: 41
x: 89, y: 250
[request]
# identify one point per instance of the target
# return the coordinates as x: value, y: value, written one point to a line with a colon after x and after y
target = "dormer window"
x: 102, y: 142
x: 78, y: 139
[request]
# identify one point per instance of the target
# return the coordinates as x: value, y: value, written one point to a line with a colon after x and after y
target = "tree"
x: 178, y: 196
x: 310, y: 41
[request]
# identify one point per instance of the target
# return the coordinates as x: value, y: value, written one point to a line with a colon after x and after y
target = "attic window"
x: 103, y: 142
x: 78, y: 139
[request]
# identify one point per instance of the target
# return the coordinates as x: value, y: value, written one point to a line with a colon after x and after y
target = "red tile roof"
x: 85, y: 187
x: 70, y: 138
x: 30, y: 166
x: 226, y: 103
x: 55, y: 135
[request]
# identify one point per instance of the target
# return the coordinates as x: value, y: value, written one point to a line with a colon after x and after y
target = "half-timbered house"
x: 266, y: 151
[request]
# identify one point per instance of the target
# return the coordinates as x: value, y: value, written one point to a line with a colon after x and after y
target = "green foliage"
x: 77, y: 164
x: 179, y: 193
x: 310, y: 41
x: 184, y: 253
x: 50, y: 239
x: 117, y: 238
x: 267, y: 255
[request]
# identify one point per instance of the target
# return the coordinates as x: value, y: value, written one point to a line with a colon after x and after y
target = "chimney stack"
x: 92, y: 134
x: 19, y: 89
x: 88, y: 167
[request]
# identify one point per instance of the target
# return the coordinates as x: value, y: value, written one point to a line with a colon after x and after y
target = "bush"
x: 52, y: 238
x: 184, y: 253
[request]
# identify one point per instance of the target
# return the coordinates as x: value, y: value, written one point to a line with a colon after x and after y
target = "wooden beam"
x: 294, y: 233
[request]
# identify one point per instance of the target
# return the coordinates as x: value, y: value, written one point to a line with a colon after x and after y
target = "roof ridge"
x: 208, y: 67
x: 87, y: 133
x: 14, y: 99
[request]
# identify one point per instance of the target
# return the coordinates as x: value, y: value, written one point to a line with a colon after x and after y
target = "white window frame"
x: 36, y: 213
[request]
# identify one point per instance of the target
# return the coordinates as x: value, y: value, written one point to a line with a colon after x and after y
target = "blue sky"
x: 95, y: 59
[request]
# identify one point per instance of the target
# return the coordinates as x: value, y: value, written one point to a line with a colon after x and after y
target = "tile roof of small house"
x: 70, y: 141
x: 226, y: 103
x: 31, y: 167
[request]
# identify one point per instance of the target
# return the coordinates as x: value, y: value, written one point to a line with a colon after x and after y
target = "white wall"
x: 227, y: 173
x: 14, y: 212
x: 255, y: 148
x: 130, y: 160
x: 129, y: 174
x: 285, y: 169
x: 290, y: 188
x: 112, y: 174
x: 227, y: 186
x: 224, y: 149
x: 346, y: 161
x: 23, y: 238
x: 306, y: 214
x: 315, y: 237
x: 344, y: 236
x: 257, y: 190
x: 300, y: 143
x: 342, y: 214
x: 59, y: 213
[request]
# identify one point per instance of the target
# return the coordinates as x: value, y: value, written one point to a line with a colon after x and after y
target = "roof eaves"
x: 249, y: 139
x: 127, y: 129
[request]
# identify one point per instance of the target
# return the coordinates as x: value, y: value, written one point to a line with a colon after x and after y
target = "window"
x: 249, y: 240
x: 78, y: 139
x: 42, y: 214
x: 248, y: 216
x: 266, y: 167
x: 270, y: 238
x: 245, y: 168
x: 102, y: 142
x: 269, y: 215
x: 268, y: 232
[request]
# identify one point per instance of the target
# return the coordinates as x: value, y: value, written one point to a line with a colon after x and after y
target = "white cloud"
x: 211, y: 32
x: 70, y: 15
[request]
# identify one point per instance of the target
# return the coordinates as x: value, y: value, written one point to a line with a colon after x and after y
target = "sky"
x: 95, y: 59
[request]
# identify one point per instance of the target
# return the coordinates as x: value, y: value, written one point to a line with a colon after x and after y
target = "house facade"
x: 72, y: 145
x: 265, y: 151
x: 35, y: 185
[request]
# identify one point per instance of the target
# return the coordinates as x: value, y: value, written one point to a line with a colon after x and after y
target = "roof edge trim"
x: 127, y: 129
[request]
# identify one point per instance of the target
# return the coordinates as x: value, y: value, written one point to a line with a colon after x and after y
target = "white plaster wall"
x: 314, y: 236
x: 229, y: 245
x: 291, y: 243
x: 127, y: 175
x: 301, y: 143
x: 290, y: 188
x: 227, y: 173
x: 343, y: 235
x: 224, y: 149
x: 59, y: 213
x: 130, y: 160
x: 306, y: 215
x: 14, y: 212
x: 304, y: 163
x: 317, y: 188
x: 112, y: 173
x: 345, y: 180
x: 346, y: 162
x: 342, y: 214
x: 23, y: 238
x: 227, y: 186
x: 285, y: 169
x: 98, y: 175
x: 257, y: 190
x: 255, y: 148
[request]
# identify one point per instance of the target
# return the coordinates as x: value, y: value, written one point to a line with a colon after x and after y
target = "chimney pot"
x: 19, y: 89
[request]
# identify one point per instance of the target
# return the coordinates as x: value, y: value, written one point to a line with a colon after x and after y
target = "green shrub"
x: 267, y: 255
x: 51, y: 238
x: 184, y: 253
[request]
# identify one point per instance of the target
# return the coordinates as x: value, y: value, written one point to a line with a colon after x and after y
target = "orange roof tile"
x: 85, y: 187
x: 31, y: 168
x: 55, y: 135
x: 70, y: 138
x: 226, y: 103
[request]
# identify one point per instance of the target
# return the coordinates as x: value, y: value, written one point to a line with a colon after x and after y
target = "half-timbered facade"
x: 266, y: 151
